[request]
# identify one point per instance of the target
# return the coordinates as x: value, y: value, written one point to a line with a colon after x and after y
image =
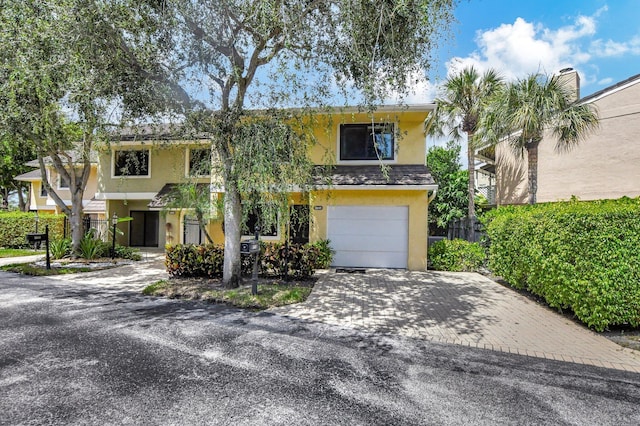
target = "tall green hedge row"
x: 14, y: 226
x: 189, y: 260
x: 579, y: 255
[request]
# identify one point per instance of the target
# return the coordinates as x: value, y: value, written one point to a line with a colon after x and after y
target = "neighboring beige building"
x: 604, y: 166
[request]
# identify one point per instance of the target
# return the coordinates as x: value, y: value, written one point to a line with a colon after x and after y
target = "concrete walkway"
x: 457, y: 308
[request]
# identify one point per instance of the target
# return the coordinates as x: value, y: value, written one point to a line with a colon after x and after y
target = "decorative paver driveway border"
x: 457, y: 308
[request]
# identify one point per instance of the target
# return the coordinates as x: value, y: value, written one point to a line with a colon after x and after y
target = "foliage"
x: 14, y: 153
x: 456, y: 255
x: 325, y: 253
x: 91, y: 247
x: 581, y: 256
x: 451, y: 199
x: 124, y: 252
x: 14, y: 226
x: 60, y: 248
x: 194, y: 196
x: 522, y: 112
x: 270, y: 294
x: 275, y: 260
x: 464, y: 99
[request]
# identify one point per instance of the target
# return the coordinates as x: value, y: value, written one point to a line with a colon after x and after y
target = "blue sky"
x: 599, y: 38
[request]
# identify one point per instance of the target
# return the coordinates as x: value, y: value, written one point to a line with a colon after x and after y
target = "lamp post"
x: 114, y: 221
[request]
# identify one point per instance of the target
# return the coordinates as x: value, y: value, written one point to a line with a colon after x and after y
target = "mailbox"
x: 249, y: 246
x: 36, y: 238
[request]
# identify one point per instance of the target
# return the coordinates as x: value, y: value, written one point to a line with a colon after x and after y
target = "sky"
x: 598, y: 38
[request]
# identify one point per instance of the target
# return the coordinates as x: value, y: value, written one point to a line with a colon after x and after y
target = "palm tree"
x: 464, y: 97
x: 522, y: 112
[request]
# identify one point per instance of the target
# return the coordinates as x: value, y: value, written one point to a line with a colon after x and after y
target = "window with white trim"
x: 367, y: 142
x: 131, y: 163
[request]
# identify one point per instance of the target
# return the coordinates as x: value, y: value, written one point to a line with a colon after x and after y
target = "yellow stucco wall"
x: 410, y: 143
x: 47, y: 203
x: 167, y: 162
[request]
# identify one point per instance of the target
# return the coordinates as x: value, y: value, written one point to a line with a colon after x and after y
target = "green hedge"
x: 456, y: 255
x: 579, y: 255
x: 189, y: 260
x: 14, y: 226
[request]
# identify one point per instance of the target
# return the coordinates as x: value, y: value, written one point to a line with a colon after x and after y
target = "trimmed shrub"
x: 456, y: 255
x: 275, y: 260
x: 581, y: 256
x: 14, y: 226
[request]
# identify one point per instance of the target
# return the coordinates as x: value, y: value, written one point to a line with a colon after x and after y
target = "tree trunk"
x: 23, y: 204
x: 471, y: 213
x: 75, y: 221
x: 232, y: 222
x: 532, y: 171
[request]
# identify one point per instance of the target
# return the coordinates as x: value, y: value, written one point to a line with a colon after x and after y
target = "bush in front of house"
x: 297, y: 261
x: 581, y: 256
x: 456, y: 255
x: 14, y: 227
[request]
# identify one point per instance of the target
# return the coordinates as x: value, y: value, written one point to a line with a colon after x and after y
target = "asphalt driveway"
x: 89, y: 349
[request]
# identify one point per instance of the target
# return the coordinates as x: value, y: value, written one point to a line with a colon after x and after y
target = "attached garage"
x: 369, y: 236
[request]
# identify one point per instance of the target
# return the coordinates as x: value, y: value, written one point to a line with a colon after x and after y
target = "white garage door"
x: 369, y: 236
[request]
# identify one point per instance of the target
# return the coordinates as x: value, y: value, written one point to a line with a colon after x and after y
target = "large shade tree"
x: 463, y: 99
x: 527, y: 108
x: 221, y: 58
x: 57, y: 87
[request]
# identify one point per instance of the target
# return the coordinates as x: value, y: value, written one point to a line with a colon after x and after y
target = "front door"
x: 144, y: 229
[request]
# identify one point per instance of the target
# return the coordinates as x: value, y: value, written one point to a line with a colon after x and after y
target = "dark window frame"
x: 362, y: 142
x: 122, y: 159
x: 250, y: 224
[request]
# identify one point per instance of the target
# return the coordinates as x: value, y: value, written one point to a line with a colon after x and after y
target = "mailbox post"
x: 35, y: 238
x: 252, y: 247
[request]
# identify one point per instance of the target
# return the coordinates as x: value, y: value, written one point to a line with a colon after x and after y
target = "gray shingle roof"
x: 397, y: 174
x: 162, y: 198
x: 29, y: 176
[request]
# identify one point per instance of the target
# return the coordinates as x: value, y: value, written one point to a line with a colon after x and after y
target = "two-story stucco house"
x: 372, y: 219
x: 604, y: 166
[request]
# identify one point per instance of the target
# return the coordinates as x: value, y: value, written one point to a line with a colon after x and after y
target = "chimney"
x: 569, y: 79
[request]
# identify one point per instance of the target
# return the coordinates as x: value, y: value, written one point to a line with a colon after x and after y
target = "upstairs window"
x: 131, y: 163
x: 366, y: 142
x: 200, y: 162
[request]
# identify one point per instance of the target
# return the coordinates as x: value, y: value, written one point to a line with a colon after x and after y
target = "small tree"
x: 192, y: 196
x: 451, y: 199
x: 520, y: 115
x: 465, y: 96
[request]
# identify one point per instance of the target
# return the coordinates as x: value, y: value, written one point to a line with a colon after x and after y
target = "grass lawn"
x: 31, y: 269
x: 6, y: 252
x: 271, y: 293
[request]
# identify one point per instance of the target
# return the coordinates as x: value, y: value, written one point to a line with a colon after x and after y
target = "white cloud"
x: 524, y: 47
x: 605, y: 81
